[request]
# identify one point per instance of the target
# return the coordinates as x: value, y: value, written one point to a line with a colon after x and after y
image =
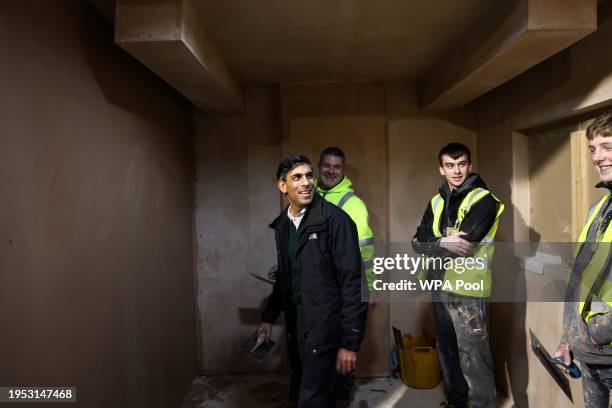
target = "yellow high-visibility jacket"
x: 596, y: 290
x: 343, y: 196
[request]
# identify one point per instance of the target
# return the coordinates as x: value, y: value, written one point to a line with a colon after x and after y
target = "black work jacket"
x: 330, y: 271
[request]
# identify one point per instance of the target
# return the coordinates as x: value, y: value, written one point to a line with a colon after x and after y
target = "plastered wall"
x: 96, y: 267
x: 550, y: 185
x: 236, y: 200
x: 523, y: 141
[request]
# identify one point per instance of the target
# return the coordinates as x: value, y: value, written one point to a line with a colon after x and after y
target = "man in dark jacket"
x: 461, y: 221
x: 318, y: 283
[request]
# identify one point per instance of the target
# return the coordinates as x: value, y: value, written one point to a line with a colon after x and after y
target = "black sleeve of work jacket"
x: 476, y: 224
x: 479, y: 219
x: 425, y: 242
x: 274, y: 305
x: 347, y: 262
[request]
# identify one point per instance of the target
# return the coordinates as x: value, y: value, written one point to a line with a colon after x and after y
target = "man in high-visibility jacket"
x: 587, y: 315
x: 337, y: 189
x: 460, y: 223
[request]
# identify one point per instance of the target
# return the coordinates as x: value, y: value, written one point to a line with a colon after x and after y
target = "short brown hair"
x: 602, y: 126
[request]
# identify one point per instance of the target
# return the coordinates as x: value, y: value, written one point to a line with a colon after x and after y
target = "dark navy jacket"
x: 331, y: 281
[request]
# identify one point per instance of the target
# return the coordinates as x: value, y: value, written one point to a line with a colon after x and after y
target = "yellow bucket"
x: 419, y: 363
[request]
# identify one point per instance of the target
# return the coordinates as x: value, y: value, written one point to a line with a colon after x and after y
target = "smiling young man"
x: 318, y: 283
x: 587, y: 314
x: 461, y: 221
x: 337, y: 189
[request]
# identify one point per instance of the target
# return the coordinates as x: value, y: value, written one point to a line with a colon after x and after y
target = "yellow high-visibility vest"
x: 600, y: 302
x: 484, y: 250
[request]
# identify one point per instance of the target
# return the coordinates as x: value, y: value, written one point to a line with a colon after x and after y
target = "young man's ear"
x: 282, y: 186
x: 441, y: 169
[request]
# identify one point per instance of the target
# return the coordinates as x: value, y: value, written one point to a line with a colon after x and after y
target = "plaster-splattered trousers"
x: 596, y: 385
x: 463, y: 349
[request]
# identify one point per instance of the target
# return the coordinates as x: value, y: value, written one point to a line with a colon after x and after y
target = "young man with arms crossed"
x: 318, y: 284
x: 587, y: 314
x: 461, y: 221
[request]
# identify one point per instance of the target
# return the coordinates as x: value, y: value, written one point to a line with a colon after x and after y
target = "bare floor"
x: 270, y: 390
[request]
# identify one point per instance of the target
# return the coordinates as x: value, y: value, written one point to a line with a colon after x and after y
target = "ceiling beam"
x: 505, y: 47
x: 167, y: 37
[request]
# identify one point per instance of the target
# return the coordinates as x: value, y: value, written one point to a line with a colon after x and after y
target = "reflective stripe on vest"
x: 484, y: 250
x: 366, y: 245
x: 600, y: 302
x: 366, y: 241
x: 345, y: 198
x: 437, y: 205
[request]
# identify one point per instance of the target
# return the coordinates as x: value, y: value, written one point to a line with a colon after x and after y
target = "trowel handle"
x: 573, y: 369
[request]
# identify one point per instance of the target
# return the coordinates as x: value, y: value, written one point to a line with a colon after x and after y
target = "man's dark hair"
x: 289, y: 163
x: 455, y: 151
x: 602, y: 126
x: 332, y: 151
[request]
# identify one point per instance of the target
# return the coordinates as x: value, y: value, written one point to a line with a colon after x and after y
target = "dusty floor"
x: 270, y: 390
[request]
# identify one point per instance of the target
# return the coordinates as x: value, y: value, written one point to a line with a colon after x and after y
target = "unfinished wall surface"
x: 560, y: 93
x: 236, y: 200
x: 550, y: 185
x: 96, y: 267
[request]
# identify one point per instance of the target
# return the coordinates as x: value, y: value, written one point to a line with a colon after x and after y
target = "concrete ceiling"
x: 269, y: 41
x: 455, y: 50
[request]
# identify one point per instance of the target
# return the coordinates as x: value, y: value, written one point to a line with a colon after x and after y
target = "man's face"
x: 455, y: 171
x: 601, y: 157
x: 298, y: 185
x: 331, y: 171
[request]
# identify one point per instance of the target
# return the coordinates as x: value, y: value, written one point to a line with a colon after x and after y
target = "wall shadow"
x: 123, y: 80
x: 508, y: 319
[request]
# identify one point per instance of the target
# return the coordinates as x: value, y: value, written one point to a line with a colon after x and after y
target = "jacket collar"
x: 314, y: 215
x: 601, y: 184
x: 473, y: 181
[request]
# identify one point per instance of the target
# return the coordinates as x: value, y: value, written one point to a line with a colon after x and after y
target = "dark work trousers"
x: 343, y: 387
x: 343, y: 384
x: 318, y: 373
x: 463, y: 349
x: 295, y: 363
x: 596, y: 385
